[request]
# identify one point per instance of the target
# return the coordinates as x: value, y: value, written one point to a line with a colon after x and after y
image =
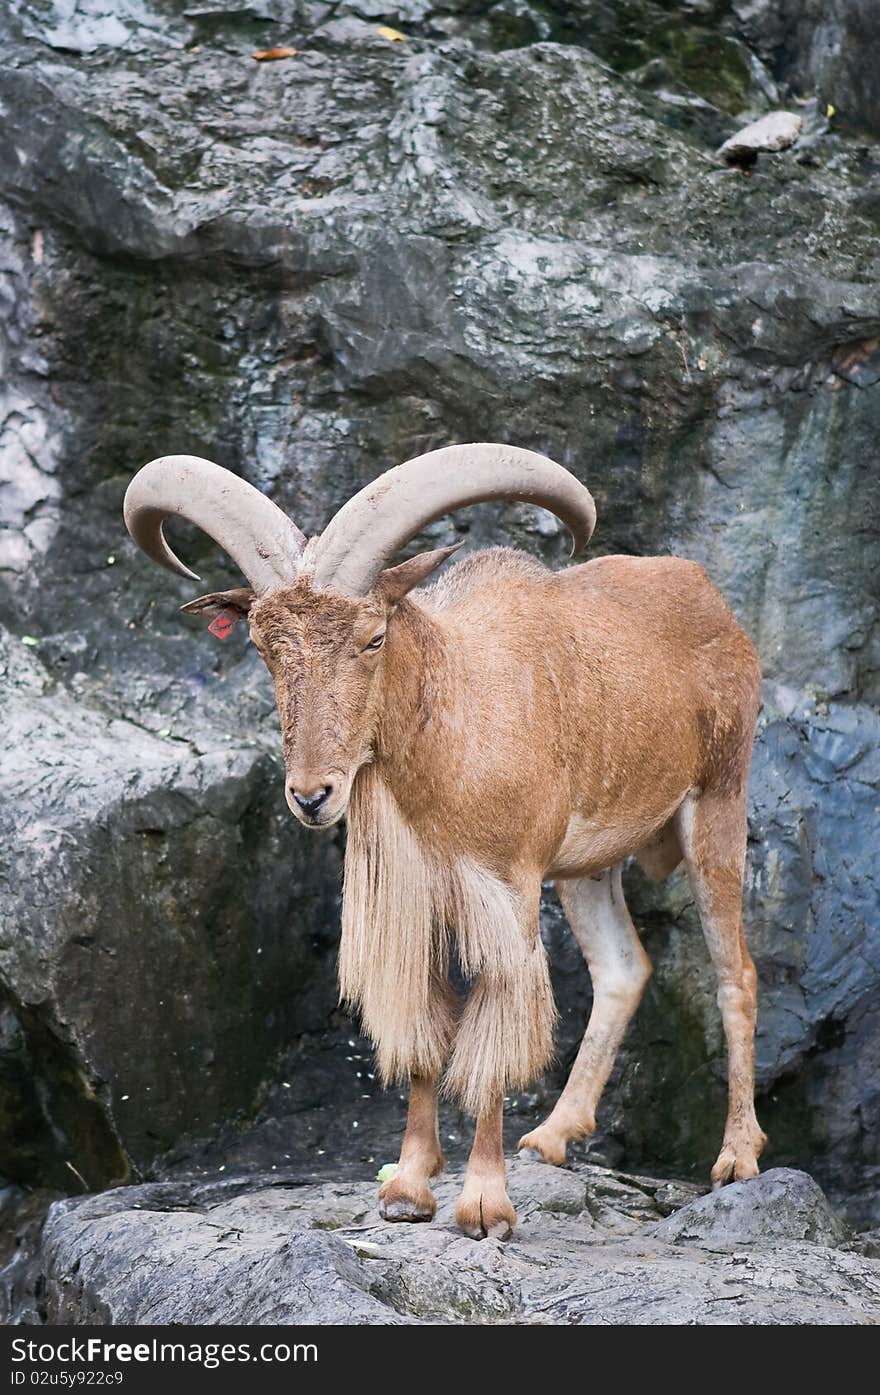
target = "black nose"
x: 311, y: 803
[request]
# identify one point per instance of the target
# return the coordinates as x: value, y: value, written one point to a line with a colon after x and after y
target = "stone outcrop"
x: 590, y: 1249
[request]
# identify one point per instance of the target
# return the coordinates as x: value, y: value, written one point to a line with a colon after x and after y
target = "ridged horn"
x: 375, y: 524
x: 259, y: 537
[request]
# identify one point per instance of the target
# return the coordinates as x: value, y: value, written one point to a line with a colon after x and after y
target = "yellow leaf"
x: 393, y: 36
x: 829, y: 110
x: 265, y: 55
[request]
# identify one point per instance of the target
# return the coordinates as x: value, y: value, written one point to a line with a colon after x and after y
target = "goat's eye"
x: 375, y: 643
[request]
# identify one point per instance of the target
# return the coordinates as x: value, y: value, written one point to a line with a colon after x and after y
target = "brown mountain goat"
x: 504, y: 725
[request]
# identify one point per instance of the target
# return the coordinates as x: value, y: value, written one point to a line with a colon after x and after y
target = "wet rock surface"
x: 510, y: 224
x: 588, y: 1249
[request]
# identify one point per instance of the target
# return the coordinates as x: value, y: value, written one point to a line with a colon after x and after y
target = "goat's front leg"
x: 484, y: 1208
x: 407, y: 1196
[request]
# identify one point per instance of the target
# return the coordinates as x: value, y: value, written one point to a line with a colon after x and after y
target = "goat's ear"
x: 223, y: 608
x: 210, y: 606
x: 396, y: 582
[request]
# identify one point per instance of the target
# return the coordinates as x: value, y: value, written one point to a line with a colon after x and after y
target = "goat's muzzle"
x: 315, y: 806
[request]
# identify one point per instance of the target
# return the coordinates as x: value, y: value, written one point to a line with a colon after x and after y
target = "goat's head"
x: 319, y: 611
x: 325, y: 652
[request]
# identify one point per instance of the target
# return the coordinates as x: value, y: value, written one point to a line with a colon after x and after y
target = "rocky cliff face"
x: 506, y: 224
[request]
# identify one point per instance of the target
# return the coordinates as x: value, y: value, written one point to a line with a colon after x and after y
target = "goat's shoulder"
x: 489, y: 568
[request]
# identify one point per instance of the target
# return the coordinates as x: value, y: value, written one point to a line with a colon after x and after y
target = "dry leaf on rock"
x: 266, y: 55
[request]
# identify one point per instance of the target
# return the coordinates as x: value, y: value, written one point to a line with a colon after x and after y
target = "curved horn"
x: 367, y: 531
x: 259, y: 537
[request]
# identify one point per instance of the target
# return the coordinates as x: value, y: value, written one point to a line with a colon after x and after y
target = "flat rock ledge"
x: 593, y: 1246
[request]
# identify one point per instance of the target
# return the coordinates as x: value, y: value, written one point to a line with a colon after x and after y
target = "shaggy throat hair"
x: 398, y: 904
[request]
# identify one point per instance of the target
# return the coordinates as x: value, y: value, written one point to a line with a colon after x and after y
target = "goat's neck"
x: 420, y: 663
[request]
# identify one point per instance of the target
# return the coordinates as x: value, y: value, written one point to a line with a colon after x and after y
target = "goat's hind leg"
x: 712, y: 829
x: 407, y: 1195
x: 619, y: 968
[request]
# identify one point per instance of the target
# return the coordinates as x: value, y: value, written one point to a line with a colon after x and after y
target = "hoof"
x: 482, y: 1217
x: 543, y: 1146
x: 501, y: 1230
x: 737, y: 1162
x: 402, y: 1210
x: 401, y: 1202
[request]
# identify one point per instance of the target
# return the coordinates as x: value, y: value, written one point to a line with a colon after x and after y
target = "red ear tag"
x: 224, y: 623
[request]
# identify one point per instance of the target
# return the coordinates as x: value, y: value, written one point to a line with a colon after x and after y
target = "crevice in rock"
x: 54, y: 1129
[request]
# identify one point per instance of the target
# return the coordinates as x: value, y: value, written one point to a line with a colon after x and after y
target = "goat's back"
x: 618, y: 609
x: 638, y: 658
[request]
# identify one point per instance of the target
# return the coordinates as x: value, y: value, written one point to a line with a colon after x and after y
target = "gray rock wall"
x: 508, y: 225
